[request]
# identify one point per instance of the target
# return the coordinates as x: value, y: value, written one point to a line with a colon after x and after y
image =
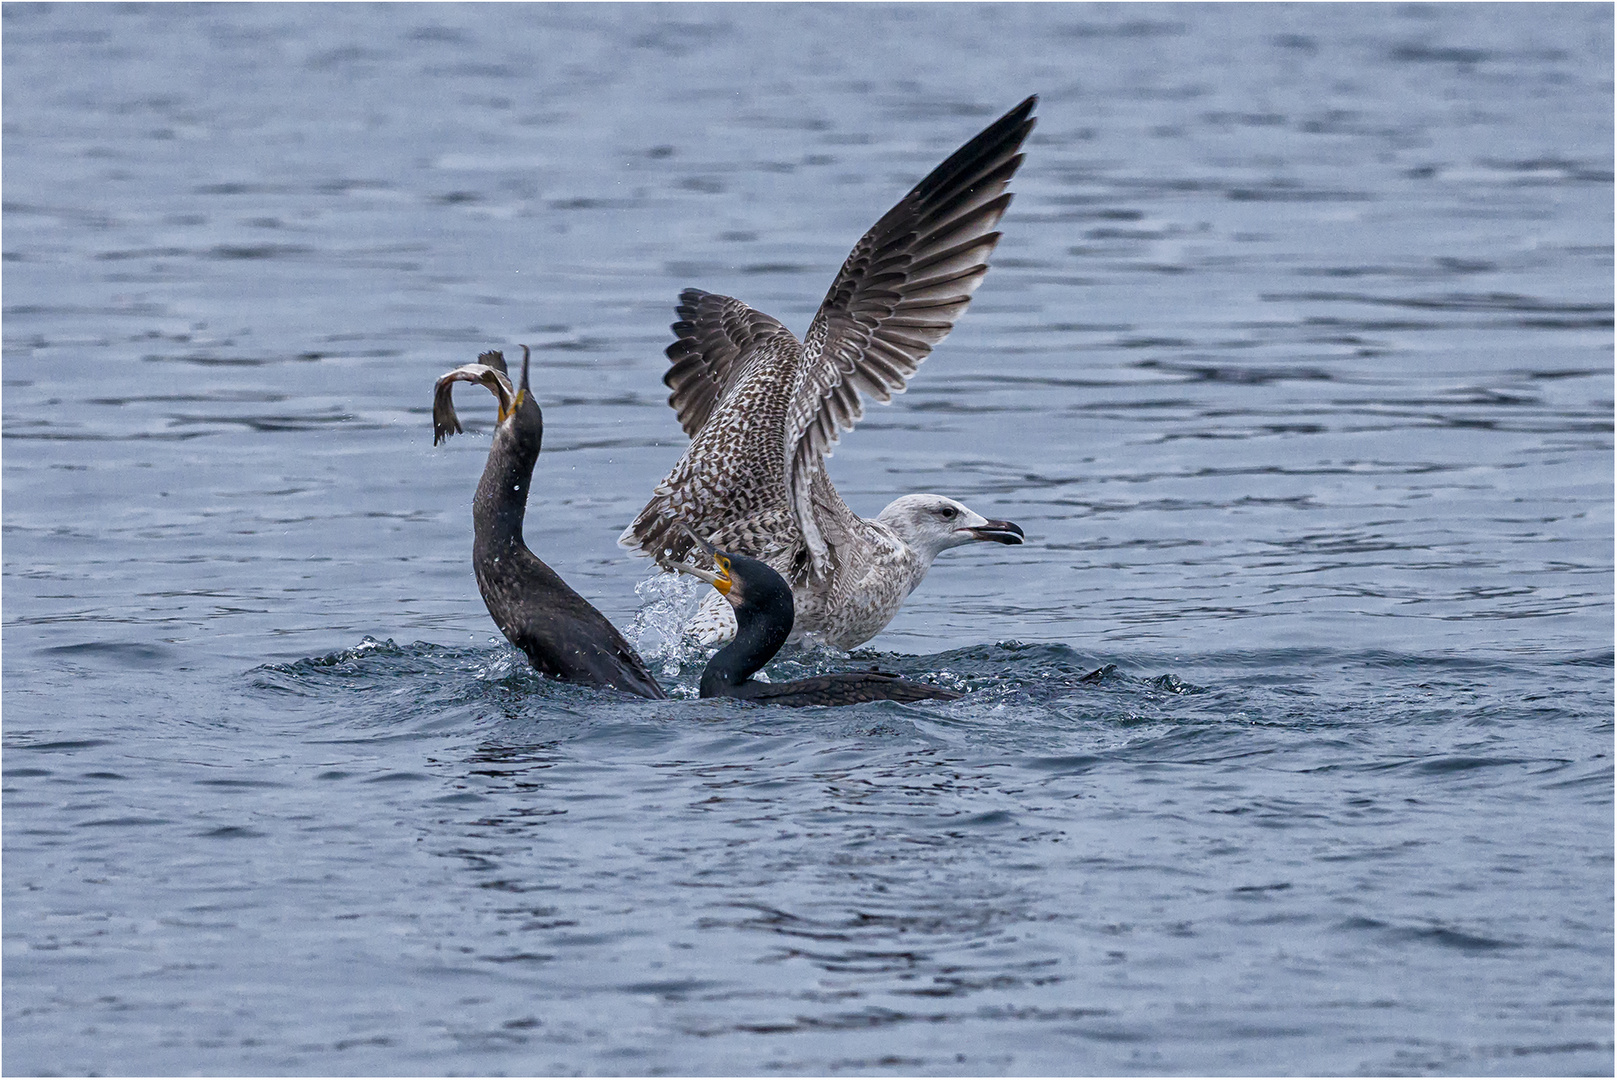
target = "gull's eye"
x: 948, y: 513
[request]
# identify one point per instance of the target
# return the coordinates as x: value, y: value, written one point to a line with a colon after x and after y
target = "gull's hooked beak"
x: 1000, y: 532
x: 521, y: 395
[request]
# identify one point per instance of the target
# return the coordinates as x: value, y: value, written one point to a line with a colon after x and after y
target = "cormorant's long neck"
x: 759, y: 636
x: 502, y: 493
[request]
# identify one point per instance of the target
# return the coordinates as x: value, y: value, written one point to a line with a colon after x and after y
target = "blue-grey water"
x: 1295, y: 364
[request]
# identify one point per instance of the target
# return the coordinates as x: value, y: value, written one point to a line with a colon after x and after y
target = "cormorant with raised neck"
x: 563, y: 635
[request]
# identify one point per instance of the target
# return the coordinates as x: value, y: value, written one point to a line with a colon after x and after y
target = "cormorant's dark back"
x: 564, y: 636
x: 763, y: 603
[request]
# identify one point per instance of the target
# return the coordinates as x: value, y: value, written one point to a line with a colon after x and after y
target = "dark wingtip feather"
x: 1002, y: 137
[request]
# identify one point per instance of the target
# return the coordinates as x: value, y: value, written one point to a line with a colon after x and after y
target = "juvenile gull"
x: 763, y: 410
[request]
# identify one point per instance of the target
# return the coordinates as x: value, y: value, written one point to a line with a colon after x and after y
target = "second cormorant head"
x: 763, y: 603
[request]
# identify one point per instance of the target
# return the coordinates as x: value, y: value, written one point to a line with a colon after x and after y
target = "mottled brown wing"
x: 730, y: 484
x: 712, y: 339
x: 898, y: 294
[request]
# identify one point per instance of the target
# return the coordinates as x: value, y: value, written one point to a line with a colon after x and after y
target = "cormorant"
x: 763, y: 605
x: 564, y: 636
x: 763, y: 410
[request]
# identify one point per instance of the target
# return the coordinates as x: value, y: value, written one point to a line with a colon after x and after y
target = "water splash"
x: 667, y: 604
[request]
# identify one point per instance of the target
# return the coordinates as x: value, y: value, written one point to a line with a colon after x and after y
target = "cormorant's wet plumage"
x: 564, y: 636
x: 763, y: 604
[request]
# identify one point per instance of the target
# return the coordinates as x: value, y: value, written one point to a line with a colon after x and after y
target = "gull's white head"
x: 930, y: 524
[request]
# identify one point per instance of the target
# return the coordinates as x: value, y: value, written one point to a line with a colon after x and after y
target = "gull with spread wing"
x: 763, y: 410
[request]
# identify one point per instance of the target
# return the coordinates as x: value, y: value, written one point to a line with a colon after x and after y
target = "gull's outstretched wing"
x: 712, y: 334
x: 898, y: 294
x: 763, y: 411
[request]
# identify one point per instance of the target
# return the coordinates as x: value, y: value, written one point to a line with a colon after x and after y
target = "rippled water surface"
x: 1295, y: 365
